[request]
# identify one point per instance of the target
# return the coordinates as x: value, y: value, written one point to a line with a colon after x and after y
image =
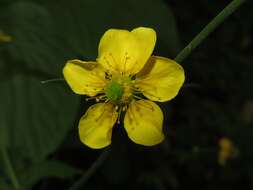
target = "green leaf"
x: 34, y: 117
x: 47, y: 169
x: 4, y: 185
x: 82, y: 23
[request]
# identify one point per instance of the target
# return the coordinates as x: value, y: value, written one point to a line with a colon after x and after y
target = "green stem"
x: 225, y: 13
x: 86, y: 176
x: 9, y: 169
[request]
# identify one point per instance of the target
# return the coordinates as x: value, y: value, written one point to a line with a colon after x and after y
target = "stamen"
x: 136, y: 90
x: 98, y: 98
x: 96, y: 75
x: 116, y: 108
x: 137, y: 97
x: 108, y: 76
x: 148, y: 77
x: 95, y: 85
x: 90, y: 98
x: 101, y: 97
x: 114, y: 61
x: 151, y: 95
x: 125, y: 63
x: 108, y: 63
x: 144, y: 84
x: 119, y: 112
x: 124, y: 108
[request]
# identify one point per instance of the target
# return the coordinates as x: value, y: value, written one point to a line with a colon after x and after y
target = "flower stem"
x: 86, y: 176
x: 209, y: 28
x: 9, y: 169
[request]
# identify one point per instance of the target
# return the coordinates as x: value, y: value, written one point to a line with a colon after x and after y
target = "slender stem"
x: 51, y: 80
x: 227, y: 11
x: 9, y: 169
x: 94, y: 167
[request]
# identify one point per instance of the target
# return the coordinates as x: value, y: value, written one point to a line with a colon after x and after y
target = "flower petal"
x: 84, y: 77
x: 121, y: 51
x: 95, y: 127
x: 160, y: 79
x: 143, y: 123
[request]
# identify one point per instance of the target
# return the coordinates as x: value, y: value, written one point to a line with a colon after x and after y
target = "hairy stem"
x: 209, y: 28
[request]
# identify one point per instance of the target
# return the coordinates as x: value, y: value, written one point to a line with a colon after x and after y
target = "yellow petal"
x: 160, y: 79
x: 95, y: 127
x: 85, y: 78
x: 143, y: 123
x: 121, y: 51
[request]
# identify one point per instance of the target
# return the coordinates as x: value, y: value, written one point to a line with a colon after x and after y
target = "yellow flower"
x: 227, y: 150
x: 123, y: 73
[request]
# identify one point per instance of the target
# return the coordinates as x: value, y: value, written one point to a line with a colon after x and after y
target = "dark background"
x: 38, y: 122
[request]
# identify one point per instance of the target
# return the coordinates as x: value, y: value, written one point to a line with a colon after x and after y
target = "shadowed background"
x: 38, y: 122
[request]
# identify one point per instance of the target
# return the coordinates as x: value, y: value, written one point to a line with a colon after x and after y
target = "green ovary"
x: 114, y: 91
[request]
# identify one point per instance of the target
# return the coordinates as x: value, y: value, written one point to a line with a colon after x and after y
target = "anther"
x: 125, y: 63
x: 124, y: 108
x: 119, y: 115
x: 108, y: 63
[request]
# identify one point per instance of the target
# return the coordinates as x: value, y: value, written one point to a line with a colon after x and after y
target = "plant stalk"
x: 208, y: 29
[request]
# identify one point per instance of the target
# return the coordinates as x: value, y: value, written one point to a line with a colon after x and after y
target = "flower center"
x: 114, y: 91
x: 119, y: 89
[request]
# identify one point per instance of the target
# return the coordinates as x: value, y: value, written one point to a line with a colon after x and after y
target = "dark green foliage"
x: 38, y: 122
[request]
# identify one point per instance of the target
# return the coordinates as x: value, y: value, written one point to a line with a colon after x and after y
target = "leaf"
x: 82, y: 23
x: 47, y: 169
x: 4, y: 185
x: 35, y: 40
x: 34, y: 117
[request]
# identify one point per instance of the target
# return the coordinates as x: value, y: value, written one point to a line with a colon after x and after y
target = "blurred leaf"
x: 4, y: 185
x: 47, y: 169
x: 34, y: 117
x: 35, y: 40
x: 82, y: 23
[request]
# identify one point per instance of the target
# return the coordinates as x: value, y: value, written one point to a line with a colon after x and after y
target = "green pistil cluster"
x: 118, y: 88
x: 114, y: 91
